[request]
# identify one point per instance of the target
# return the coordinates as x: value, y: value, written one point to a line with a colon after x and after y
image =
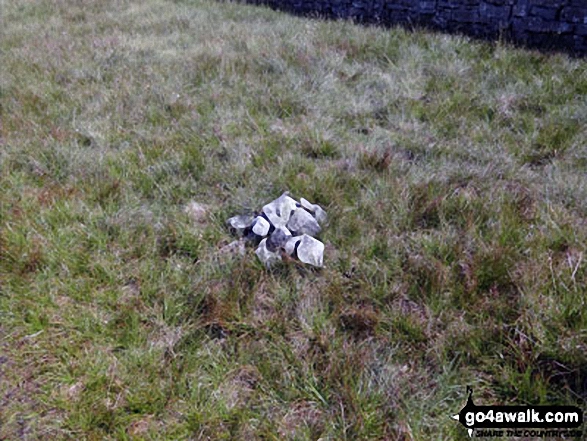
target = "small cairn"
x: 284, y: 226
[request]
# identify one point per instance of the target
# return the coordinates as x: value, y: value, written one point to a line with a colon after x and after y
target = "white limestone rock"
x: 265, y: 255
x: 240, y: 223
x: 279, y: 211
x: 261, y: 226
x: 316, y: 209
x: 302, y: 222
x: 290, y: 245
x: 311, y: 251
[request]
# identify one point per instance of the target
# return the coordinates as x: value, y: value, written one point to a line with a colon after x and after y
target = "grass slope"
x: 454, y: 174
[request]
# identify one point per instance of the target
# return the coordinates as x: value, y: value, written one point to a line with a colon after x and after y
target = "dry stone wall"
x: 549, y: 24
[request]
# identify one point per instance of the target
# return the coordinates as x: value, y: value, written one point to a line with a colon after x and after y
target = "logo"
x: 481, y: 420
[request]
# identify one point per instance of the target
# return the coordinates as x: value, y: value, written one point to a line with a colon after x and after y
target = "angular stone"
x: 303, y: 222
x: 311, y: 251
x: 290, y: 245
x: 265, y: 255
x: 307, y: 204
x: 240, y: 223
x: 319, y: 213
x: 278, y: 238
x: 261, y: 226
x: 279, y: 211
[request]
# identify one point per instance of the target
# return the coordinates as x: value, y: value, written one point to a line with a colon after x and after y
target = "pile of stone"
x: 284, y: 227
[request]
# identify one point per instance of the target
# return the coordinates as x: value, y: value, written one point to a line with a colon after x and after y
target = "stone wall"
x: 549, y: 24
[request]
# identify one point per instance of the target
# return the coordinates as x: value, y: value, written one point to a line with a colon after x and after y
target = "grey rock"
x: 265, y: 255
x: 240, y: 223
x: 290, y: 245
x: 307, y: 204
x: 279, y: 211
x: 303, y: 222
x: 261, y: 226
x: 278, y: 238
x: 311, y: 251
x: 319, y: 213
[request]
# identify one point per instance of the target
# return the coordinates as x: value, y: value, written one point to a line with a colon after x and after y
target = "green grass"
x: 454, y: 174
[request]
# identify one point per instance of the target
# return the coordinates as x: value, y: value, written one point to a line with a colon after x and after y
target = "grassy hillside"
x: 454, y: 174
